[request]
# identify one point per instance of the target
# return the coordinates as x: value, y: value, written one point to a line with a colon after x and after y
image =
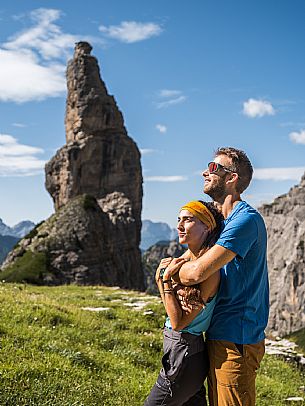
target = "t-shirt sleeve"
x: 239, y: 235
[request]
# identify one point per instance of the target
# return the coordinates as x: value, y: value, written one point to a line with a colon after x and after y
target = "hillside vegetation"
x: 55, y: 351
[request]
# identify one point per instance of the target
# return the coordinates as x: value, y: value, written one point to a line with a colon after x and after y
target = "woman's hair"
x: 193, y: 293
x: 214, y: 234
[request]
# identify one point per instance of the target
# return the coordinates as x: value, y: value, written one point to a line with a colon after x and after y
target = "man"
x: 236, y: 334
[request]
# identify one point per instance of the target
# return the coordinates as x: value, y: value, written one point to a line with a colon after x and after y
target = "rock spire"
x: 95, y: 181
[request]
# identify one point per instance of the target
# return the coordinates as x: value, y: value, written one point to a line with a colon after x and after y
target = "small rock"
x: 295, y: 399
x: 96, y: 309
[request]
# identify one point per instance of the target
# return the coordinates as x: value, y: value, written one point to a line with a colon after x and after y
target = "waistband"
x: 193, y: 342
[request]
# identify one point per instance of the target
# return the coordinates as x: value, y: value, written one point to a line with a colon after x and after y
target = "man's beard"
x: 216, y: 189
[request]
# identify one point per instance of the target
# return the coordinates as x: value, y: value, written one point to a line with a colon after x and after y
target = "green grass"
x: 55, y: 353
x: 30, y: 268
x: 299, y: 338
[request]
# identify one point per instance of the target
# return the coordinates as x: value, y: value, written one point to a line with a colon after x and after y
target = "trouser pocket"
x: 173, y: 358
x: 177, y: 346
x: 175, y: 351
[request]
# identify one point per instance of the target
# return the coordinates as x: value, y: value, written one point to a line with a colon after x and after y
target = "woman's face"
x: 190, y: 229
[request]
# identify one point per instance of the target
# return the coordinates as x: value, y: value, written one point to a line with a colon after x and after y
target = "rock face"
x: 151, y: 259
x: 74, y: 246
x: 95, y: 181
x: 285, y: 221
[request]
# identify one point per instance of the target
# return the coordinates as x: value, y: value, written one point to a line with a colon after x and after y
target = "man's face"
x: 215, y: 183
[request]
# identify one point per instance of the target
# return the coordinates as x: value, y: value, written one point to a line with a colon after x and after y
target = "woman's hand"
x: 174, y: 267
x: 163, y: 264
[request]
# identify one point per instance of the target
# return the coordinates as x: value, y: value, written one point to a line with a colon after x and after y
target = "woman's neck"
x: 195, y: 251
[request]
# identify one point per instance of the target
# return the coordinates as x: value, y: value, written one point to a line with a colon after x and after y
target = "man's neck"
x: 229, y: 203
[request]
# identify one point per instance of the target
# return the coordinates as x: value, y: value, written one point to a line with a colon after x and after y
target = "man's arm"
x: 202, y: 268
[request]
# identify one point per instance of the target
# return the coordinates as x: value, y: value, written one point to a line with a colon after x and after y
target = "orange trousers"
x: 231, y: 380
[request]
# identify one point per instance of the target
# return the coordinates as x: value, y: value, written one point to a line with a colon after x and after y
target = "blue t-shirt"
x: 242, y: 305
x: 201, y: 322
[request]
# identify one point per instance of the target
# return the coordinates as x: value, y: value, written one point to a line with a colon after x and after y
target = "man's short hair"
x: 240, y: 164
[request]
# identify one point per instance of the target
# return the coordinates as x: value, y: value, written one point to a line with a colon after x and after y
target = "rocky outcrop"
x: 152, y: 257
x: 285, y: 221
x: 95, y: 181
x: 75, y: 245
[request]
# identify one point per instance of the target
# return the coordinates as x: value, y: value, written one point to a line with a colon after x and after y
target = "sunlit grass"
x: 299, y: 338
x: 55, y: 353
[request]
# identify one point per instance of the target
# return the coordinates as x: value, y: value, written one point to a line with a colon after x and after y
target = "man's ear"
x: 232, y: 178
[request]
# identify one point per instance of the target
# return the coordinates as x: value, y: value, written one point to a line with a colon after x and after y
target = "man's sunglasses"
x: 214, y: 167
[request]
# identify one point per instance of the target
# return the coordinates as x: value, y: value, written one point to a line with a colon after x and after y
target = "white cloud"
x: 297, y: 137
x: 162, y: 128
x: 168, y: 103
x: 33, y: 61
x: 23, y: 78
x: 18, y: 159
x: 169, y: 93
x: 131, y: 31
x: 146, y: 151
x: 257, y: 108
x: 165, y: 178
x: 169, y: 98
x: 45, y: 37
x: 279, y: 174
x: 19, y: 125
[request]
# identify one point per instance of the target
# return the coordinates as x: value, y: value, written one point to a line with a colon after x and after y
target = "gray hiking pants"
x: 185, y: 367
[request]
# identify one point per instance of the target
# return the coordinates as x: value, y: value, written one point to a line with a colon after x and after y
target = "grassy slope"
x: 55, y: 353
x: 299, y: 338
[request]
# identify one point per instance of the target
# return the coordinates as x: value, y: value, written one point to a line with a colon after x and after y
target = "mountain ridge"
x: 19, y: 230
x: 152, y: 232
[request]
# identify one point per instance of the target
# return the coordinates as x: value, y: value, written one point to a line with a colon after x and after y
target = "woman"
x: 185, y: 363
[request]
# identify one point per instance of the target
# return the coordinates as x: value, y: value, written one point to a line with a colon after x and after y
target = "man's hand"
x: 174, y: 267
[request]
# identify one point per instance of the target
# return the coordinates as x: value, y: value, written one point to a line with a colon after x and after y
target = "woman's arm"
x: 208, y: 289
x: 163, y: 264
x: 178, y: 317
x: 210, y: 286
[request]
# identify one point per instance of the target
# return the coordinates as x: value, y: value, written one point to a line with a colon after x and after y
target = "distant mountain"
x: 23, y: 228
x: 152, y: 232
x: 4, y: 229
x: 7, y: 242
x: 19, y: 230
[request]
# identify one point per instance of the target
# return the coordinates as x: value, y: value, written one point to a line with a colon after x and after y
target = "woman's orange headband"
x: 200, y: 211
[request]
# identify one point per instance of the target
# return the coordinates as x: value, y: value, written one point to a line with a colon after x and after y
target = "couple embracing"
x: 219, y: 287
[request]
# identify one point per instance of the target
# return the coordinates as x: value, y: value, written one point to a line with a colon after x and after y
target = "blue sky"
x: 188, y: 76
